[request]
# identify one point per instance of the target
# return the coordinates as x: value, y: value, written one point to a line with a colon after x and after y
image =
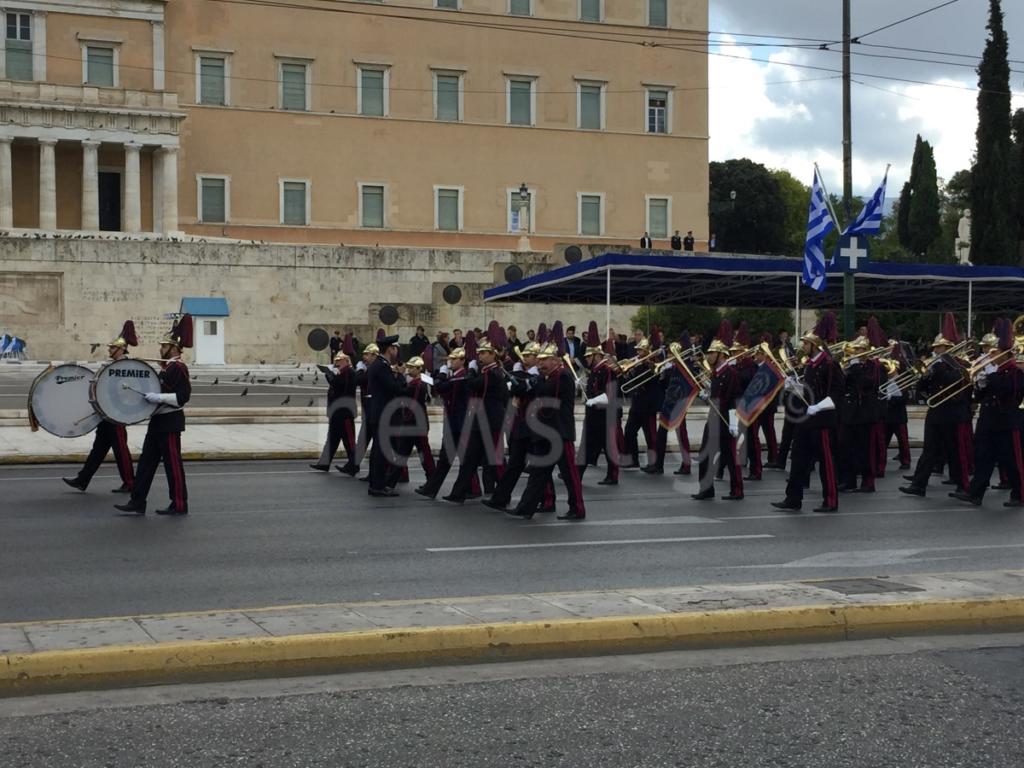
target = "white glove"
x: 791, y: 384
x: 704, y: 395
x: 734, y: 424
x: 509, y: 385
x: 474, y: 365
x: 981, y: 381
x: 666, y: 366
x: 601, y: 399
x: 855, y: 361
x: 534, y: 371
x: 152, y: 397
x: 826, y: 405
x: 990, y: 368
x: 445, y: 370
x: 517, y: 367
x: 360, y: 366
x: 812, y: 410
x: 158, y: 397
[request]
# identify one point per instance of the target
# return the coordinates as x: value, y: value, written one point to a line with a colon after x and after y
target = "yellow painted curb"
x: 335, y: 652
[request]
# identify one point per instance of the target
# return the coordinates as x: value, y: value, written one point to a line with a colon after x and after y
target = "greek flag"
x: 819, y: 224
x: 869, y: 221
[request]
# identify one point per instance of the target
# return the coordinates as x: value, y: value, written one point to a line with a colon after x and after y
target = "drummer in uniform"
x: 108, y: 434
x: 163, y: 436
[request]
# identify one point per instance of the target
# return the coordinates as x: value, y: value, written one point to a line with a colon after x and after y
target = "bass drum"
x: 118, y: 391
x: 58, y: 401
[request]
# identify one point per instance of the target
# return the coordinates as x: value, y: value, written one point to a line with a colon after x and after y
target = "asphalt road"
x: 274, y: 533
x: 942, y: 705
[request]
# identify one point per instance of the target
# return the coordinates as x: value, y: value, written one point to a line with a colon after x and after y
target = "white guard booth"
x: 209, y: 315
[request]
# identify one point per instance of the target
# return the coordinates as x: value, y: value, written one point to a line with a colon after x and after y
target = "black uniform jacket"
x: 1000, y: 400
x: 557, y: 395
x: 173, y: 378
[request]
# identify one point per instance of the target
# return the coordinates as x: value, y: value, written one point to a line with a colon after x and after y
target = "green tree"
x: 673, y: 319
x: 903, y: 216
x: 795, y: 194
x: 761, y: 321
x: 755, y: 221
x: 923, y: 219
x: 956, y: 198
x: 1018, y: 141
x: 993, y: 238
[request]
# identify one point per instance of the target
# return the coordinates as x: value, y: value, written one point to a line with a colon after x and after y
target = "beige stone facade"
x: 409, y: 123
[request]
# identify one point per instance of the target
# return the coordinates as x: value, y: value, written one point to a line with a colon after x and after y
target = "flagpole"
x: 828, y: 201
x: 796, y: 322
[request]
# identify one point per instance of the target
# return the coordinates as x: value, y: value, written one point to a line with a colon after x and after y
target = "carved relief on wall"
x: 30, y: 299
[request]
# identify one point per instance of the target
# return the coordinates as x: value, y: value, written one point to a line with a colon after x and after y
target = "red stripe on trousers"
x: 173, y: 455
x: 829, y: 491
x: 426, y: 457
x: 964, y: 445
x: 499, y: 453
x: 737, y: 476
x: 877, y: 451
x: 1019, y: 459
x: 574, y: 476
x: 124, y: 466
x: 903, y: 441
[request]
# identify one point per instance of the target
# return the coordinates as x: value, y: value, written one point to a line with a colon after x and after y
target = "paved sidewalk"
x: 273, y: 439
x: 277, y: 641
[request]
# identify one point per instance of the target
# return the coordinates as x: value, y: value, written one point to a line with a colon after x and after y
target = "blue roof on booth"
x: 768, y: 282
x: 205, y: 306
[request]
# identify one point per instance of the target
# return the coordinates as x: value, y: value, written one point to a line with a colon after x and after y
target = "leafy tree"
x: 993, y: 239
x: 955, y: 195
x: 796, y: 195
x: 673, y: 319
x: 923, y: 219
x: 903, y: 215
x: 755, y: 221
x: 1018, y: 136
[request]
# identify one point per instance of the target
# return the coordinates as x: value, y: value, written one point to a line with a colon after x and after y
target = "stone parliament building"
x: 310, y: 161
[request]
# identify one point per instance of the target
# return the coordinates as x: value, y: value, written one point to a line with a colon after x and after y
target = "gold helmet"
x: 942, y: 341
x: 341, y: 356
x: 643, y: 345
x: 548, y: 350
x: 860, y: 344
x: 531, y: 348
x: 371, y: 349
x: 486, y: 346
x: 812, y: 338
x: 598, y: 350
x: 415, y: 362
x: 459, y: 353
x: 718, y: 346
x: 988, y: 340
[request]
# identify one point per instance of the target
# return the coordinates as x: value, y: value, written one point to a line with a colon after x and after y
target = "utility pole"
x: 849, y: 290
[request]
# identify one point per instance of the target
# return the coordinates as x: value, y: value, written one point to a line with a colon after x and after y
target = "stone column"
x: 132, y: 189
x: 47, y: 184
x: 90, y: 186
x: 169, y: 199
x: 6, y: 184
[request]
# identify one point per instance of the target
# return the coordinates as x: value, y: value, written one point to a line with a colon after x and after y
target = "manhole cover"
x: 863, y: 586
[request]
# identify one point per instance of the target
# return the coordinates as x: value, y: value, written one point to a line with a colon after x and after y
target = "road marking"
x: 833, y: 515
x: 599, y: 543
x: 676, y: 520
x: 875, y: 557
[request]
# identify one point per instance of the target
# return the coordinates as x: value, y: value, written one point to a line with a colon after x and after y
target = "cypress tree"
x: 903, y: 216
x: 993, y: 236
x: 1018, y: 136
x: 924, y: 220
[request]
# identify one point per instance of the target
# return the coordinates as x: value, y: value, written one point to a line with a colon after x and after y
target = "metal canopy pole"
x: 849, y: 290
x: 796, y: 320
x: 970, y: 307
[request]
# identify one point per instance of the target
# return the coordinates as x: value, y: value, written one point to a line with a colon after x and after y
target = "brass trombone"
x: 625, y: 366
x: 642, y: 378
x: 950, y: 391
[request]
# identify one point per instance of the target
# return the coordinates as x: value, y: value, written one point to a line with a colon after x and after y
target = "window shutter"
x: 293, y: 86
x: 519, y: 7
x: 448, y: 209
x: 519, y: 102
x: 19, y: 60
x: 447, y: 97
x: 214, y: 203
x: 211, y: 80
x: 373, y: 92
x: 657, y: 213
x: 590, y: 106
x: 590, y: 215
x: 657, y: 13
x: 373, y: 207
x: 657, y: 111
x: 295, y: 203
x: 100, y: 66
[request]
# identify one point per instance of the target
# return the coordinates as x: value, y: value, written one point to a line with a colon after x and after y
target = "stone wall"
x: 64, y: 295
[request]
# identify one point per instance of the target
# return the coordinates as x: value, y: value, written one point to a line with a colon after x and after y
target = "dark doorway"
x: 110, y: 201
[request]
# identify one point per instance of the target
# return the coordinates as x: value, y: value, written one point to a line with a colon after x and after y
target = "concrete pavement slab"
x: 415, y: 614
x: 309, y: 621
x: 513, y: 608
x: 54, y: 636
x: 14, y: 640
x: 602, y: 604
x: 208, y: 626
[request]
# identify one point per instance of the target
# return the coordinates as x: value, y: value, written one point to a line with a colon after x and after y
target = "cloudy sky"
x: 760, y: 110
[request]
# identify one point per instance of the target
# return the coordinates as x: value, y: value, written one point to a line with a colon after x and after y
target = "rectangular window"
x: 447, y: 95
x: 590, y: 10
x: 211, y: 80
x: 519, y: 7
x: 657, y: 111
x: 213, y: 200
x: 521, y: 212
x: 657, y: 13
x: 371, y: 92
x: 590, y: 214
x: 209, y: 327
x: 294, y: 94
x: 590, y: 106
x: 520, y: 102
x: 448, y: 218
x: 293, y: 203
x: 372, y: 201
x: 449, y: 4
x: 99, y: 66
x: 657, y: 216
x: 18, y: 57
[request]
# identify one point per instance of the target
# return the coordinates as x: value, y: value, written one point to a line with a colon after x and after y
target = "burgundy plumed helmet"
x: 127, y: 337
x: 655, y: 338
x: 593, y: 335
x: 725, y: 333
x: 428, y: 358
x: 348, y: 346
x: 876, y: 335
x: 470, y: 345
x: 827, y: 329
x: 743, y: 334
x: 767, y: 338
x: 558, y: 337
x: 498, y: 338
x: 542, y: 334
x: 181, y: 334
x: 949, y: 329
x: 1004, y: 331
x: 381, y: 335
x: 492, y: 330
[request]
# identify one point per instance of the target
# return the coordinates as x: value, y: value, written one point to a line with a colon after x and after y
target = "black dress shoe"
x: 949, y: 482
x: 364, y: 479
x: 904, y: 467
x: 1002, y: 487
x: 385, y: 493
x: 964, y: 496
x: 347, y: 470
x: 75, y: 483
x: 172, y: 510
x: 472, y: 495
x: 653, y: 470
x: 845, y: 488
x: 453, y: 499
x: 753, y: 478
x: 547, y: 510
x: 909, y: 477
x: 786, y: 504
x: 321, y: 467
x: 132, y: 507
x: 733, y: 497
x: 862, y: 489
x: 703, y: 495
x: 518, y: 514
x: 120, y: 489
x: 607, y: 481
x: 424, y: 492
x: 682, y: 471
x: 571, y: 516
x: 912, y: 490
x: 492, y: 504
x: 823, y: 508
x: 1013, y: 503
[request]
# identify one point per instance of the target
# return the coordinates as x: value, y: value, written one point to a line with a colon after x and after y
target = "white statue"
x: 962, y: 246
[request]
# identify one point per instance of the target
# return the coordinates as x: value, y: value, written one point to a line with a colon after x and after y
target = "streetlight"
x: 524, y: 217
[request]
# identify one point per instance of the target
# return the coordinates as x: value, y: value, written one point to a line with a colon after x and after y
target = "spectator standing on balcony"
x: 645, y: 241
x: 677, y: 242
x: 688, y: 241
